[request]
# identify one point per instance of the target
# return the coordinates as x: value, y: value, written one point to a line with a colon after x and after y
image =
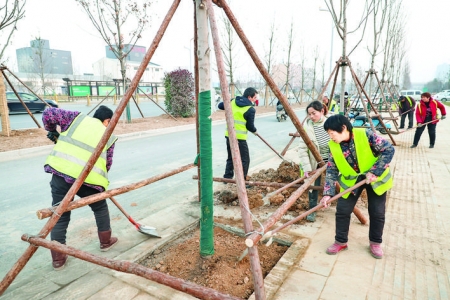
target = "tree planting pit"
x: 222, y: 271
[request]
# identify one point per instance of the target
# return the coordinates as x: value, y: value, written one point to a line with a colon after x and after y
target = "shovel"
x: 423, y: 124
x: 151, y: 231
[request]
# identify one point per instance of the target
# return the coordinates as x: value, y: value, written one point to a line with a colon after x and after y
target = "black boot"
x: 106, y: 241
x: 59, y: 260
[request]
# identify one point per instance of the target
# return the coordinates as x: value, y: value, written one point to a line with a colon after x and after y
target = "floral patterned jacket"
x: 381, y: 148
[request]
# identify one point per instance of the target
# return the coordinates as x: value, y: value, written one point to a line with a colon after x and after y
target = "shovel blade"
x: 151, y: 231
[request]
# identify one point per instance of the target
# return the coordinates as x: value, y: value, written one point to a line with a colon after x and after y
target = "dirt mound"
x: 285, y: 173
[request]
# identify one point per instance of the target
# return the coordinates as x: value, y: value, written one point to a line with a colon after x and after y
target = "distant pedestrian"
x: 244, y: 121
x: 357, y: 154
x: 79, y: 136
x: 406, y: 107
x: 427, y: 112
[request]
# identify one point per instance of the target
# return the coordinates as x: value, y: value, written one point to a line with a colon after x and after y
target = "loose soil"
x: 222, y: 271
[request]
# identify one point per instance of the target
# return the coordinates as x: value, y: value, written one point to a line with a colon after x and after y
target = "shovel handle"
x: 121, y: 208
x: 303, y: 215
x: 264, y: 141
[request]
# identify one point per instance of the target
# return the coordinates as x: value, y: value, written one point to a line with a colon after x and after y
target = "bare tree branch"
x: 9, y: 17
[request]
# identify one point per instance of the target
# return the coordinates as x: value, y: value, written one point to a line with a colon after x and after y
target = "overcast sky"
x: 67, y: 27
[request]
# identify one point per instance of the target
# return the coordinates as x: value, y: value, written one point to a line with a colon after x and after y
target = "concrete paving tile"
x: 116, y: 290
x: 145, y: 296
x: 301, y: 285
x: 74, y: 269
x: 39, y: 288
x: 316, y: 260
x: 83, y: 287
x: 337, y: 286
x: 283, y: 268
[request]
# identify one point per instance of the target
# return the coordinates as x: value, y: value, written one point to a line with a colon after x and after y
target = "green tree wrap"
x: 206, y: 175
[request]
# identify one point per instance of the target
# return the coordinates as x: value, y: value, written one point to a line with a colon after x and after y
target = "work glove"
x: 443, y: 117
x: 419, y: 124
x: 53, y: 136
x: 306, y: 174
x: 255, y: 133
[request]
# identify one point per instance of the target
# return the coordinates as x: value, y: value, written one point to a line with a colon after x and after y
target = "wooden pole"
x: 21, y: 262
x: 30, y: 90
x: 242, y: 193
x: 255, y: 237
x: 47, y: 212
x: 21, y: 101
x: 197, y: 93
x: 4, y: 112
x: 298, y: 218
x: 124, y: 266
x: 139, y: 89
x: 260, y: 183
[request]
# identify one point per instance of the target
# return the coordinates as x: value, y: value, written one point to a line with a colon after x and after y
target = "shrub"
x: 179, y: 85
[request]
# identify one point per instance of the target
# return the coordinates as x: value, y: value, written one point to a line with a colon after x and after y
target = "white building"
x: 109, y: 69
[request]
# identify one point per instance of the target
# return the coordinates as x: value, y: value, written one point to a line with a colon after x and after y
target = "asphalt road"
x: 24, y: 187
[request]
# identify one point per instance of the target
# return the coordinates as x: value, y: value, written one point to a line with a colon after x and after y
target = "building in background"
x: 48, y: 71
x: 39, y: 57
x: 108, y: 67
x: 41, y: 68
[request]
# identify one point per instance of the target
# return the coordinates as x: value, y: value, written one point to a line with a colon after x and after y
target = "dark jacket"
x: 404, y: 106
x: 249, y: 115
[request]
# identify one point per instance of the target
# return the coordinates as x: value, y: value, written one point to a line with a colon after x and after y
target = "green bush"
x: 179, y: 85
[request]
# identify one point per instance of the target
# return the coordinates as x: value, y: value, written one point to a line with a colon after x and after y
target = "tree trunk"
x: 6, y: 130
x: 205, y: 134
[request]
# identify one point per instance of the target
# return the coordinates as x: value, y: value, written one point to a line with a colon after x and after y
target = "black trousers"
x: 431, y: 133
x: 245, y: 158
x: 410, y: 119
x: 377, y: 209
x: 313, y: 195
x: 59, y: 188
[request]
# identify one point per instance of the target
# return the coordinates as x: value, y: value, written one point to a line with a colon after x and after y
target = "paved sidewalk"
x: 416, y: 263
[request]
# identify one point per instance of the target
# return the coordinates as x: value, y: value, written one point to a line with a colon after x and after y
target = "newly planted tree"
x: 120, y: 24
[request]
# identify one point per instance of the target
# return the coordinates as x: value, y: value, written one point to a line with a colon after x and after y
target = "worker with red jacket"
x: 426, y: 113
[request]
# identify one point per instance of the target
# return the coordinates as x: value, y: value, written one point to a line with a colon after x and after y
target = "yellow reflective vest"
x: 76, y: 145
x: 334, y: 107
x: 239, y: 121
x: 366, y: 160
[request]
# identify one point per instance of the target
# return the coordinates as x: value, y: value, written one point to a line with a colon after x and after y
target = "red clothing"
x: 421, y: 110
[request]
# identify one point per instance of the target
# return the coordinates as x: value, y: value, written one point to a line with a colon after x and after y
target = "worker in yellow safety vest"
x: 406, y: 106
x: 357, y: 154
x: 244, y: 119
x: 74, y: 145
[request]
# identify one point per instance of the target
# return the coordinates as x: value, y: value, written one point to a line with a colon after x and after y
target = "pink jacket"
x: 421, y: 110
